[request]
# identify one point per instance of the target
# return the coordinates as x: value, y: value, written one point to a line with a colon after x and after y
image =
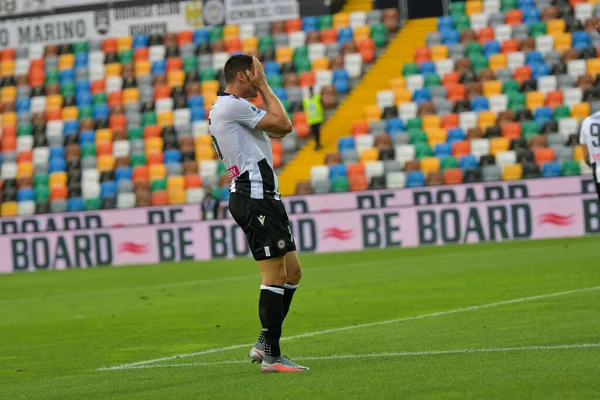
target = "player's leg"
x: 293, y: 275
x: 593, y: 166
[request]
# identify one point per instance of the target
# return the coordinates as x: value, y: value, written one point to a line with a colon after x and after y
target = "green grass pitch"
x: 451, y: 331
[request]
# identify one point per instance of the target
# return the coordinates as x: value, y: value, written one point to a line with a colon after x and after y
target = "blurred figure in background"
x: 210, y: 206
x: 313, y: 108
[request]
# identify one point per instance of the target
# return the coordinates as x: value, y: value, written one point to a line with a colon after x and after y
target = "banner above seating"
x: 252, y: 11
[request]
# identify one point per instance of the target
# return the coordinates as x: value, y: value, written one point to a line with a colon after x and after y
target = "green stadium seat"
x: 52, y: 77
x: 432, y: 80
x: 265, y: 43
x: 99, y: 99
x: 208, y: 74
x: 457, y: 9
x: 570, y: 168
x: 216, y: 33
x: 67, y: 89
x: 516, y: 101
x: 410, y: 69
x: 340, y: 184
x: 92, y: 204
x: 88, y: 150
x: 276, y: 81
x: 462, y: 22
x: 42, y: 194
x: 423, y: 150
x: 86, y: 112
x: 537, y: 29
x: 448, y: 163
x: 80, y: 47
x: 507, y: 5
x: 138, y: 159
x: 530, y: 127
x: 158, y: 185
x: 474, y: 48
x: 510, y: 87
x: 303, y: 65
x: 325, y: 21
x: 479, y: 62
x: 561, y: 112
x: 40, y: 180
x: 189, y: 64
x: 126, y: 57
x: 379, y: 34
x: 135, y: 133
x: 148, y: 119
x: 25, y: 129
x: 417, y: 136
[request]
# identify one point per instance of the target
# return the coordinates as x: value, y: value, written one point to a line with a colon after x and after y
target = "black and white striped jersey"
x: 245, y: 150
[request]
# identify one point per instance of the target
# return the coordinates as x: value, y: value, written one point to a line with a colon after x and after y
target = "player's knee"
x: 294, y: 276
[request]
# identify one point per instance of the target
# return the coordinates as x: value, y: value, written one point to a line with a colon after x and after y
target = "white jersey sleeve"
x: 245, y: 113
x: 590, y: 136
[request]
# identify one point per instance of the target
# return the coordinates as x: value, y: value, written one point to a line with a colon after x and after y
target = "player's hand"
x: 257, y: 78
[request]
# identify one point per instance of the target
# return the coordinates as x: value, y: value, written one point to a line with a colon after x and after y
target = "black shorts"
x: 593, y: 166
x: 265, y: 223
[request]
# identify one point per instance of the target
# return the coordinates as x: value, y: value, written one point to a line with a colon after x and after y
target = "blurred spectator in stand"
x: 315, y: 115
x: 210, y: 206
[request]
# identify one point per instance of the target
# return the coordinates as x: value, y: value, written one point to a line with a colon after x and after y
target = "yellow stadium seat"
x: 362, y: 33
x: 593, y: 66
x: 512, y: 172
x: 372, y: 113
x: 9, y: 209
x: 498, y: 144
x: 112, y: 70
x: 341, y: 20
x: 155, y: 144
x: 205, y: 152
x: 165, y: 119
x: 492, y: 88
x: 24, y: 169
x: 534, y: 100
x: 210, y: 87
x: 8, y: 93
x: 581, y: 111
x: 562, y: 41
x: 249, y: 44
x: 157, y: 171
x: 578, y: 153
x: 7, y: 68
x: 131, y: 95
x: 436, y: 136
x: 497, y: 61
x: 398, y: 83
x: 177, y: 196
x: 230, y: 32
x: 124, y: 43
x: 54, y: 102
x: 106, y: 163
x: 104, y: 136
x: 439, y: 52
x: 175, y: 182
x: 205, y: 140
x: 9, y: 118
x: 143, y: 68
x: 70, y: 113
x: 430, y: 164
x: 473, y: 7
x: 555, y: 26
x: 433, y: 121
x: 57, y: 179
x: 320, y: 64
x: 486, y: 119
x: 209, y: 99
x: 369, y: 155
x: 66, y: 61
x: 176, y: 78
x: 402, y: 96
x: 284, y: 55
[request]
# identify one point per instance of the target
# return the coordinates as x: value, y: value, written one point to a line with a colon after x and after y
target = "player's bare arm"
x: 276, y: 121
x: 586, y: 155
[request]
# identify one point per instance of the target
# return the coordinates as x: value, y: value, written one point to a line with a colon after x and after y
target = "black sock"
x: 288, y: 295
x: 270, y: 310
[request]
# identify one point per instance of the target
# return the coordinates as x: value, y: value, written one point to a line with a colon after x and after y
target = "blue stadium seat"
x: 172, y: 156
x: 70, y: 127
x: 198, y: 114
x: 57, y: 165
x: 480, y: 103
x: 139, y: 41
x: 395, y: 125
x: 101, y: 111
x: 443, y: 150
x: 159, y: 67
x: 196, y: 101
x: 310, y: 24
x: 421, y: 95
x: 525, y: 3
x: 450, y: 37
x: 581, y: 40
x: 281, y: 93
x: 83, y: 86
x: 531, y: 15
x: 341, y: 80
x: 344, y: 35
x: 539, y: 70
x: 271, y: 68
x: 81, y: 60
x: 57, y: 153
x: 123, y: 174
x: 491, y: 47
x: 467, y: 162
x: 87, y: 137
x: 551, y: 169
x: 66, y: 76
x: 75, y: 204
x: 427, y: 68
x: 542, y: 114
x: 445, y: 23
x: 22, y: 105
x: 455, y: 134
x: 415, y: 179
x: 83, y: 99
x: 25, y: 194
x: 345, y: 143
x: 201, y: 36
x: 108, y: 189
x: 533, y: 57
x: 338, y: 170
x: 225, y: 193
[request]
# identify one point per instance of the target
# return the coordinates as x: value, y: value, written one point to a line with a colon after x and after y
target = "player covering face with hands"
x: 241, y: 135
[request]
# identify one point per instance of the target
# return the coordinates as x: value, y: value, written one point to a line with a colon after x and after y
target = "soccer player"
x: 241, y: 136
x: 589, y: 138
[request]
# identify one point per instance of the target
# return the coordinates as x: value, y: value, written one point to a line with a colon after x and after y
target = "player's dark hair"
x: 235, y: 64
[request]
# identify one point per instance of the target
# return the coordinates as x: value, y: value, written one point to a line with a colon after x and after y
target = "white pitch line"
x: 352, y: 327
x: 395, y: 354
